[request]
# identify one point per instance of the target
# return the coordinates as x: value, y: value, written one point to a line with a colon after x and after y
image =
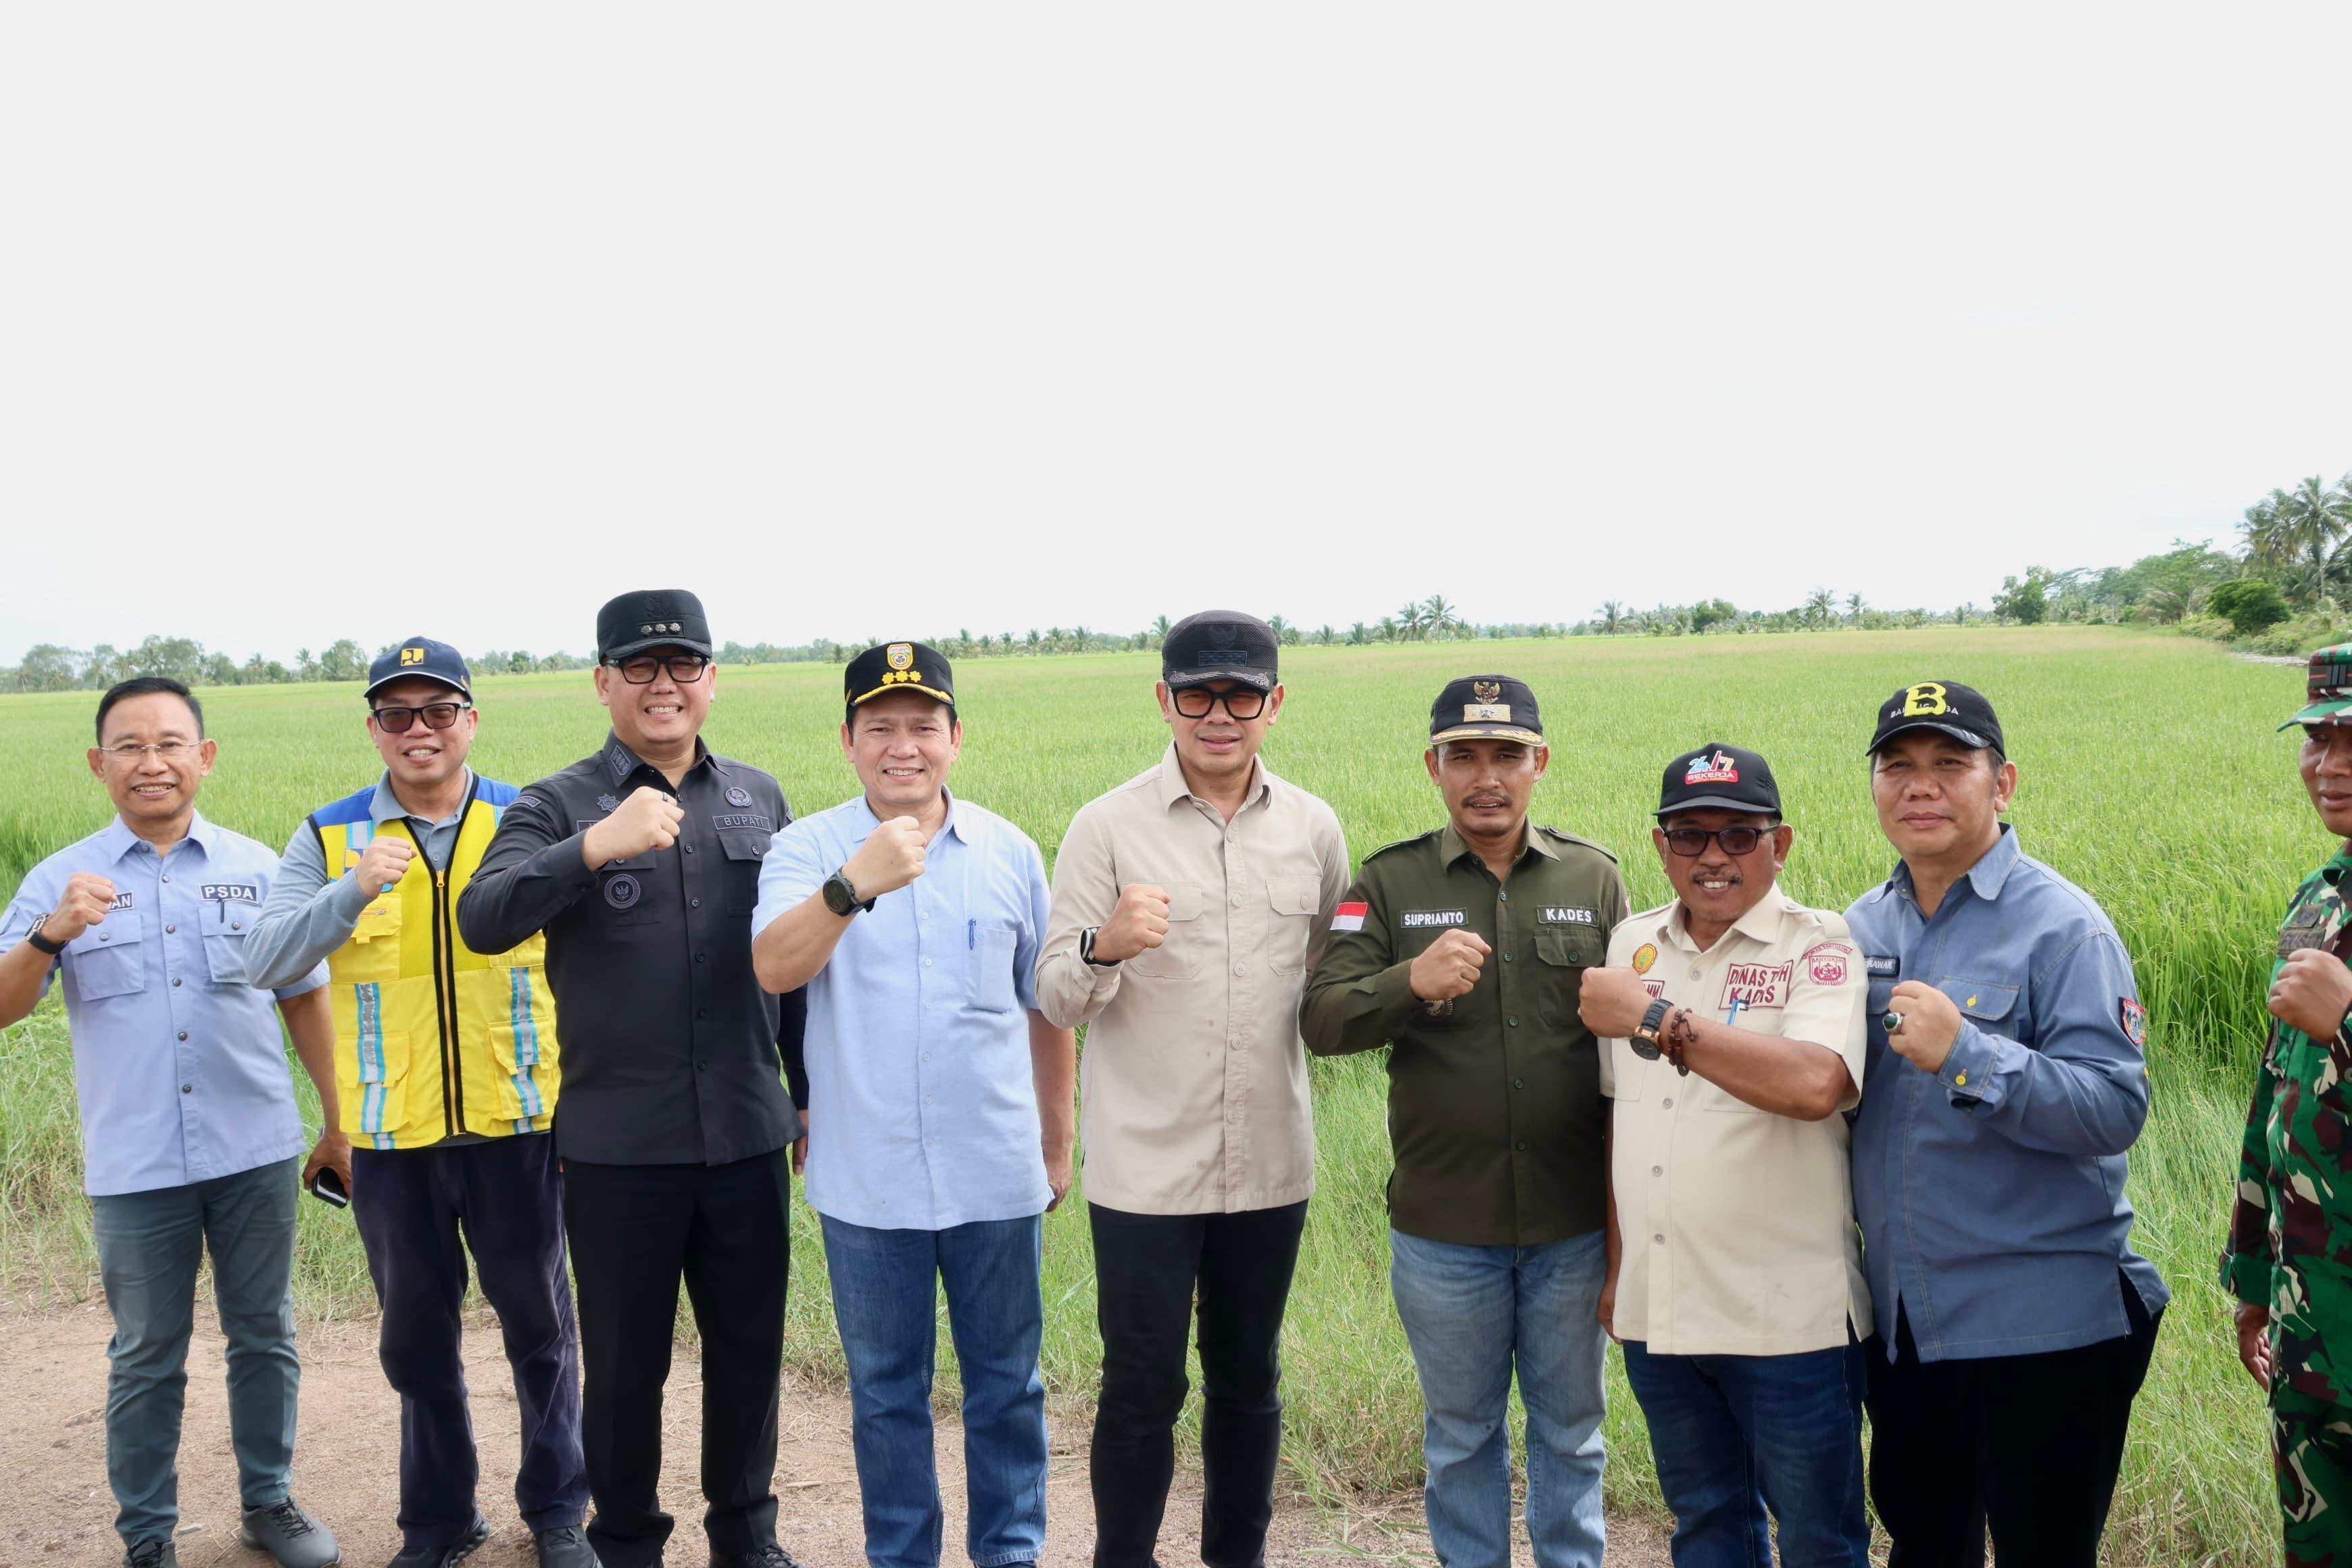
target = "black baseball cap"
x: 423, y: 658
x: 1959, y: 712
x: 651, y: 617
x: 898, y: 667
x: 1715, y: 774
x: 1220, y: 645
x: 1486, y: 707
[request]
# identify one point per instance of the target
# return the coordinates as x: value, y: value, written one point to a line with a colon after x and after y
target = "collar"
x: 869, y: 822
x: 1172, y: 787
x: 384, y: 806
x: 118, y: 840
x: 1450, y: 846
x: 1761, y: 924
x: 1987, y: 876
x: 620, y: 762
x: 2337, y: 864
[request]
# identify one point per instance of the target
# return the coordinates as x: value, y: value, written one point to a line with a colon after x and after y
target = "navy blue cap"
x: 422, y: 658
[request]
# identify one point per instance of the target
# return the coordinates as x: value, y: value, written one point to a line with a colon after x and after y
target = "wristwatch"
x: 39, y: 943
x: 1645, y: 1040
x: 1087, y: 951
x: 841, y: 898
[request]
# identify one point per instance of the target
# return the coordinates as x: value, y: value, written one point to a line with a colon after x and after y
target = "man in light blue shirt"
x: 940, y: 1106
x: 2004, y: 1080
x: 189, y: 1135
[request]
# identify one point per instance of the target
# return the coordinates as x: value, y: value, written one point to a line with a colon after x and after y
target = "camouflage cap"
x: 2327, y: 690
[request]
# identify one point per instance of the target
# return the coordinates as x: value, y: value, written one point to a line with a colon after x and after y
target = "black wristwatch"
x: 1645, y: 1040
x: 1086, y: 950
x: 841, y: 898
x: 39, y: 943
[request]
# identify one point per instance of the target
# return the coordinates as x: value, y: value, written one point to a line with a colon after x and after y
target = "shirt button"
x: 167, y: 875
x: 106, y: 936
x: 171, y: 930
x: 699, y: 957
x: 1521, y: 1144
x: 175, y: 980
x: 927, y: 963
x: 1241, y: 969
x: 689, y: 848
x: 1237, y: 900
x: 702, y: 1067
x: 1506, y: 958
x: 1660, y: 1238
x: 926, y: 1056
x: 187, y: 1088
x: 184, y: 1033
x: 236, y: 925
x: 694, y: 903
x: 1668, y: 1102
x: 1657, y: 1170
x: 1235, y: 1041
x: 1505, y: 898
x: 1519, y: 1083
x: 1513, y: 1022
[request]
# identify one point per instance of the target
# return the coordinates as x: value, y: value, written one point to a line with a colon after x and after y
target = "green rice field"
x: 2150, y: 775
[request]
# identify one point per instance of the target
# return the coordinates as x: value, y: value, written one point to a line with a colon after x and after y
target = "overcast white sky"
x: 336, y: 320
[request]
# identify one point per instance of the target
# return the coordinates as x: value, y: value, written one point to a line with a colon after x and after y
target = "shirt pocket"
x: 1179, y: 956
x: 1563, y: 953
x: 993, y: 944
x: 374, y: 951
x: 1988, y: 1004
x: 1292, y: 901
x: 373, y: 1079
x: 225, y: 930
x: 744, y: 848
x: 110, y: 960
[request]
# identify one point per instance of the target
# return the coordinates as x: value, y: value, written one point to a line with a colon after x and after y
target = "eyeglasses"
x: 1690, y: 843
x: 437, y: 716
x: 129, y: 751
x: 1242, y: 703
x: 686, y: 669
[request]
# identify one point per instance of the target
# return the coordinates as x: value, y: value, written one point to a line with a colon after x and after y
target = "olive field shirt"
x: 1495, y: 1106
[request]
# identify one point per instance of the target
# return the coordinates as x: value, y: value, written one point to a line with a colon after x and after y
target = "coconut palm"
x: 1612, y: 617
x: 1821, y: 607
x: 2300, y: 533
x: 1411, y: 626
x: 1438, y: 614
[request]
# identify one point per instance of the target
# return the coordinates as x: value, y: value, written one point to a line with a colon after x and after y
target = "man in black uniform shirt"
x: 642, y: 865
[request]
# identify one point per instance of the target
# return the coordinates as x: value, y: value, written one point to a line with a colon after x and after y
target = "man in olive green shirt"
x: 1464, y: 950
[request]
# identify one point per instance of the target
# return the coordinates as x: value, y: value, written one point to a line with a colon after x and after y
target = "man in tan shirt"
x: 1189, y: 904
x: 1733, y: 1039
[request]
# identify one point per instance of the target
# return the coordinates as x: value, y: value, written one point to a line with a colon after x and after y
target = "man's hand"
x: 1612, y: 1001
x: 799, y: 1146
x: 83, y: 905
x: 384, y: 863
x: 1607, y: 1313
x: 891, y: 856
x: 2312, y: 992
x: 1137, y: 924
x: 1931, y: 1022
x: 1058, y: 1174
x: 1448, y: 967
x: 2255, y: 1342
x: 647, y: 820
x: 333, y: 1152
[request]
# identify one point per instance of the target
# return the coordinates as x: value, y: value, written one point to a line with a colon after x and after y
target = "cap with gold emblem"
x: 898, y: 666
x: 420, y: 658
x: 651, y: 617
x: 1485, y: 707
x: 1960, y: 712
x: 2327, y: 689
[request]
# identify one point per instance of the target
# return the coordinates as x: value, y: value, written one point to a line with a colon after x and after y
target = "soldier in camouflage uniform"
x: 2288, y: 1260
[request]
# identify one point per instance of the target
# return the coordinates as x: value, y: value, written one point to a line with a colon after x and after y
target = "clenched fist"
x: 1612, y: 1001
x: 891, y: 856
x: 384, y: 863
x: 1449, y: 966
x: 647, y: 820
x: 1139, y: 923
x: 83, y: 905
x: 2312, y: 992
x: 1931, y: 1022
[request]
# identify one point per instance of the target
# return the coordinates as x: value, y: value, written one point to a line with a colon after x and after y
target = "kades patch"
x: 1566, y: 915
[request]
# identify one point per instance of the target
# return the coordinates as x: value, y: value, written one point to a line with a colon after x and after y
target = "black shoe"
x: 152, y: 1554
x: 769, y: 1556
x: 448, y: 1555
x: 566, y: 1546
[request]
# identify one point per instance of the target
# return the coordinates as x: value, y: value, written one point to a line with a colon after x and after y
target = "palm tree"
x: 1612, y: 617
x: 1821, y: 607
x: 2302, y: 529
x: 1854, y: 609
x: 1440, y: 614
x: 1358, y: 634
x: 1388, y: 628
x: 1409, y: 625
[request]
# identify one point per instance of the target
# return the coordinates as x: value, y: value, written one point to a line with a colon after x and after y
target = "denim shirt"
x: 1990, y: 1194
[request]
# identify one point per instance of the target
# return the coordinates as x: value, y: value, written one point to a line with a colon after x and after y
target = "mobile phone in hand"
x: 328, y: 1188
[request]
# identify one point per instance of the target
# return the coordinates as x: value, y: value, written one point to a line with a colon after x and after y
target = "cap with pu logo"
x: 420, y: 658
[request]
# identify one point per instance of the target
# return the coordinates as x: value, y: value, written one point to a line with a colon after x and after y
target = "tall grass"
x: 2150, y: 776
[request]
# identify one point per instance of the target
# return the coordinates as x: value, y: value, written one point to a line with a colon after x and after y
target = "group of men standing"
x: 1801, y: 1163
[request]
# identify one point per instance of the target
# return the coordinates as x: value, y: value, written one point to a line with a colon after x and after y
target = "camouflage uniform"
x: 2291, y: 1244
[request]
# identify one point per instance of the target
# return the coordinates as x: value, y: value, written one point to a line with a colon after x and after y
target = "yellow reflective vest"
x: 431, y: 1039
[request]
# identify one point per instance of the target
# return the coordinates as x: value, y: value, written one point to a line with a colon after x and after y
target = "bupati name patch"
x: 743, y: 819
x: 1565, y: 915
x: 230, y: 892
x: 1411, y: 920
x: 1756, y: 984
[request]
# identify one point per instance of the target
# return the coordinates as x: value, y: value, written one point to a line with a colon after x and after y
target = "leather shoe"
x: 152, y: 1554
x: 566, y: 1546
x: 449, y: 1553
x: 768, y: 1556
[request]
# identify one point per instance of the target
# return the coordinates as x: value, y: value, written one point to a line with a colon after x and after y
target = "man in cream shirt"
x: 1189, y: 904
x: 1733, y: 1034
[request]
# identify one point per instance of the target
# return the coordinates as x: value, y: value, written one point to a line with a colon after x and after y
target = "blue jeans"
x: 149, y: 1244
x: 1472, y: 1315
x: 1735, y: 1434
x: 884, y: 1304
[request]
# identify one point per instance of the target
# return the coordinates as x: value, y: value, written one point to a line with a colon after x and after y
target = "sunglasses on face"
x: 437, y: 716
x: 1690, y: 843
x: 1242, y: 703
x: 686, y: 669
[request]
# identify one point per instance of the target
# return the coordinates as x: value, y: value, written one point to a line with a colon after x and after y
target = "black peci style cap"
x: 1486, y: 707
x: 1220, y: 645
x: 1959, y: 712
x: 651, y: 617
x: 420, y: 658
x: 898, y: 667
x: 1718, y: 775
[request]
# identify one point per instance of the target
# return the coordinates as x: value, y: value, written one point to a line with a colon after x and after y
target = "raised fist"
x: 384, y: 862
x: 83, y: 905
x: 647, y: 820
x: 1137, y: 924
x: 1449, y: 966
x: 891, y: 856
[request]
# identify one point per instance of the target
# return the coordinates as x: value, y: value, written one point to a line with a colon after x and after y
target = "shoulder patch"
x: 1600, y: 849
x: 1399, y: 843
x: 527, y: 798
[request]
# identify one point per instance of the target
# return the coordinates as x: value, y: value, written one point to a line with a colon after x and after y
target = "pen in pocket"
x: 970, y: 935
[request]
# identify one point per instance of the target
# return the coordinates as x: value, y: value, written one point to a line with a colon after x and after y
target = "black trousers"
x: 636, y: 1231
x: 505, y: 1198
x: 2028, y: 1445
x: 1147, y: 1271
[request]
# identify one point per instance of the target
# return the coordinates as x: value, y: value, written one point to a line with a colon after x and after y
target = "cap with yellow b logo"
x: 1946, y: 705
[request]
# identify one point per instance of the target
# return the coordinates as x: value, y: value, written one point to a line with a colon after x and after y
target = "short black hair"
x: 147, y: 686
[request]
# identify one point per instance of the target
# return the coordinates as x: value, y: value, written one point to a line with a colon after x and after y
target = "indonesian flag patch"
x: 1349, y: 917
x: 2135, y: 1021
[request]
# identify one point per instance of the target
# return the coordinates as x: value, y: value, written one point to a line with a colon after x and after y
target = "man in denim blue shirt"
x: 2014, y: 1321
x: 189, y: 1134
x: 941, y: 1109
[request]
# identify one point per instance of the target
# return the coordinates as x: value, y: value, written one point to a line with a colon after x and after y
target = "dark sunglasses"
x: 686, y: 669
x: 1242, y: 703
x: 1690, y: 843
x: 437, y: 716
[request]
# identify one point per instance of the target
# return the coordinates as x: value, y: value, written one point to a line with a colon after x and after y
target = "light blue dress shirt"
x: 178, y: 1061
x: 922, y: 1107
x: 1990, y: 1194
